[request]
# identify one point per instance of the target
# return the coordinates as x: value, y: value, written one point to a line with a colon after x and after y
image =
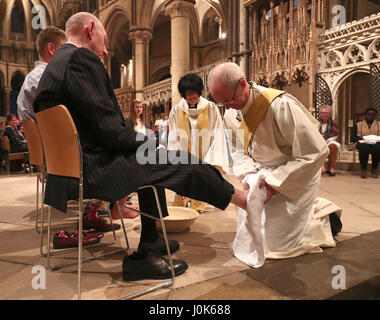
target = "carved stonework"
x: 158, y: 93
x: 347, y: 48
x: 180, y: 8
x: 299, y: 76
x: 124, y: 98
x: 139, y: 35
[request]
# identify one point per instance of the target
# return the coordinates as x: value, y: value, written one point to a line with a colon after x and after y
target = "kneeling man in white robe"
x: 276, y: 149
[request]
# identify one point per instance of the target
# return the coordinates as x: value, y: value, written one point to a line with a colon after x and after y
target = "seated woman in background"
x: 329, y: 131
x: 17, y: 141
x: 366, y: 136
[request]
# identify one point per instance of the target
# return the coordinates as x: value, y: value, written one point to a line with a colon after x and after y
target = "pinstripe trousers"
x: 198, y: 181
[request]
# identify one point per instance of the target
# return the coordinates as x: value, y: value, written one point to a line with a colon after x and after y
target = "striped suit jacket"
x: 76, y: 78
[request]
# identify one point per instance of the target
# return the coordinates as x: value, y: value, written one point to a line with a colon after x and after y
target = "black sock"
x: 149, y: 232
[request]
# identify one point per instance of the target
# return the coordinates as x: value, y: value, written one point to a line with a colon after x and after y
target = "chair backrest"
x: 5, y: 143
x: 33, y: 137
x: 60, y: 142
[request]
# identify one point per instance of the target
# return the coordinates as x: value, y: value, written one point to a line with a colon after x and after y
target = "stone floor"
x: 214, y: 273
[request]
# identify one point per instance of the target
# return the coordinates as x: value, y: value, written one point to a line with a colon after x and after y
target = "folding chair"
x: 10, y: 156
x: 63, y: 156
x: 36, y: 158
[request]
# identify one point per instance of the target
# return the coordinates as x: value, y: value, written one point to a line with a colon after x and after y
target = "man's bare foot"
x: 126, y: 212
x: 239, y: 198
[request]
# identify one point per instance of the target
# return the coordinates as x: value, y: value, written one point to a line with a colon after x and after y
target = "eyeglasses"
x: 233, y: 96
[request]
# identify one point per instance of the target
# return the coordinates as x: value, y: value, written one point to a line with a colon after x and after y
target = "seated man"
x: 76, y: 77
x: 366, y: 136
x: 275, y: 138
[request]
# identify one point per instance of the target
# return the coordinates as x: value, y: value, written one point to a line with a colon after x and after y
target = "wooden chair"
x: 63, y: 157
x: 36, y: 158
x: 10, y: 156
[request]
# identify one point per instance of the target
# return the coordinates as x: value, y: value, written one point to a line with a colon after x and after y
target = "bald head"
x: 79, y: 21
x: 227, y: 74
x: 228, y: 86
x: 85, y: 30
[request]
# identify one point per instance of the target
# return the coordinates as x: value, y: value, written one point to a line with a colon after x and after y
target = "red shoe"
x: 65, y: 240
x: 91, y: 220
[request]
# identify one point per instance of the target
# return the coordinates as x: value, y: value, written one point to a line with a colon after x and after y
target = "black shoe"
x: 335, y: 223
x: 331, y: 174
x: 159, y: 245
x: 150, y: 265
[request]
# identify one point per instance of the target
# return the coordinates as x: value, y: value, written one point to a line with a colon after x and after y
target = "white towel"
x: 249, y: 243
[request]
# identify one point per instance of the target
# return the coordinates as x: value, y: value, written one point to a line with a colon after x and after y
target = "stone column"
x: 197, y: 52
x: 179, y: 11
x: 7, y: 100
x: 141, y: 38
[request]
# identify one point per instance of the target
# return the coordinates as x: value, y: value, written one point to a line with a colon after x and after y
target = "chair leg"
x: 80, y: 247
x: 165, y: 284
x: 48, y: 237
x: 37, y: 204
x: 122, y: 223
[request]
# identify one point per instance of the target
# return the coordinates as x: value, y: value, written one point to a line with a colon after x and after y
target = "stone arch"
x: 160, y: 74
x: 345, y: 75
x: 117, y: 25
x: 373, y: 51
x: 18, y: 23
x: 160, y: 47
x: 210, y: 26
x: 354, y: 54
x: 2, y: 95
x: 333, y: 59
x: 343, y: 111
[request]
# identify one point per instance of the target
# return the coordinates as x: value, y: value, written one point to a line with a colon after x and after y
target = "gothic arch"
x: 373, y: 51
x: 160, y: 74
x: 338, y: 82
x: 333, y: 59
x: 114, y: 21
x: 2, y: 97
x: 209, y: 30
x: 354, y: 54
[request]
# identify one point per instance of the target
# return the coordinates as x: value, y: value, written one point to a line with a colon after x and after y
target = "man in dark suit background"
x: 76, y: 78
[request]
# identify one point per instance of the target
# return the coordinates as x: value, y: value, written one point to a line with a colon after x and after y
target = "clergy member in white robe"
x: 275, y: 141
x: 195, y: 125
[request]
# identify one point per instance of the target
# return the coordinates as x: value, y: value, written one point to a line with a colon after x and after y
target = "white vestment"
x: 213, y: 140
x: 288, y: 151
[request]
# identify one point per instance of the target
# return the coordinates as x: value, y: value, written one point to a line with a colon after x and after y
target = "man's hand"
x: 270, y: 190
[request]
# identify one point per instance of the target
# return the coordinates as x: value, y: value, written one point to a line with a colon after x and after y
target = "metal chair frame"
x: 61, y: 113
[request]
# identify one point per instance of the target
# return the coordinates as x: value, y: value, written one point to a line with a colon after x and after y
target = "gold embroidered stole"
x: 256, y: 113
x: 203, y: 123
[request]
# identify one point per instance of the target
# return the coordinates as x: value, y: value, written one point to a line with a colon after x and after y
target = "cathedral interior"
x: 321, y: 51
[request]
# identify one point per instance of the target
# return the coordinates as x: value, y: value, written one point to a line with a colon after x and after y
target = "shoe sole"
x: 136, y: 277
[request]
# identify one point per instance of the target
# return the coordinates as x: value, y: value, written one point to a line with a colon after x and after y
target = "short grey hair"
x: 326, y: 107
x: 227, y: 73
